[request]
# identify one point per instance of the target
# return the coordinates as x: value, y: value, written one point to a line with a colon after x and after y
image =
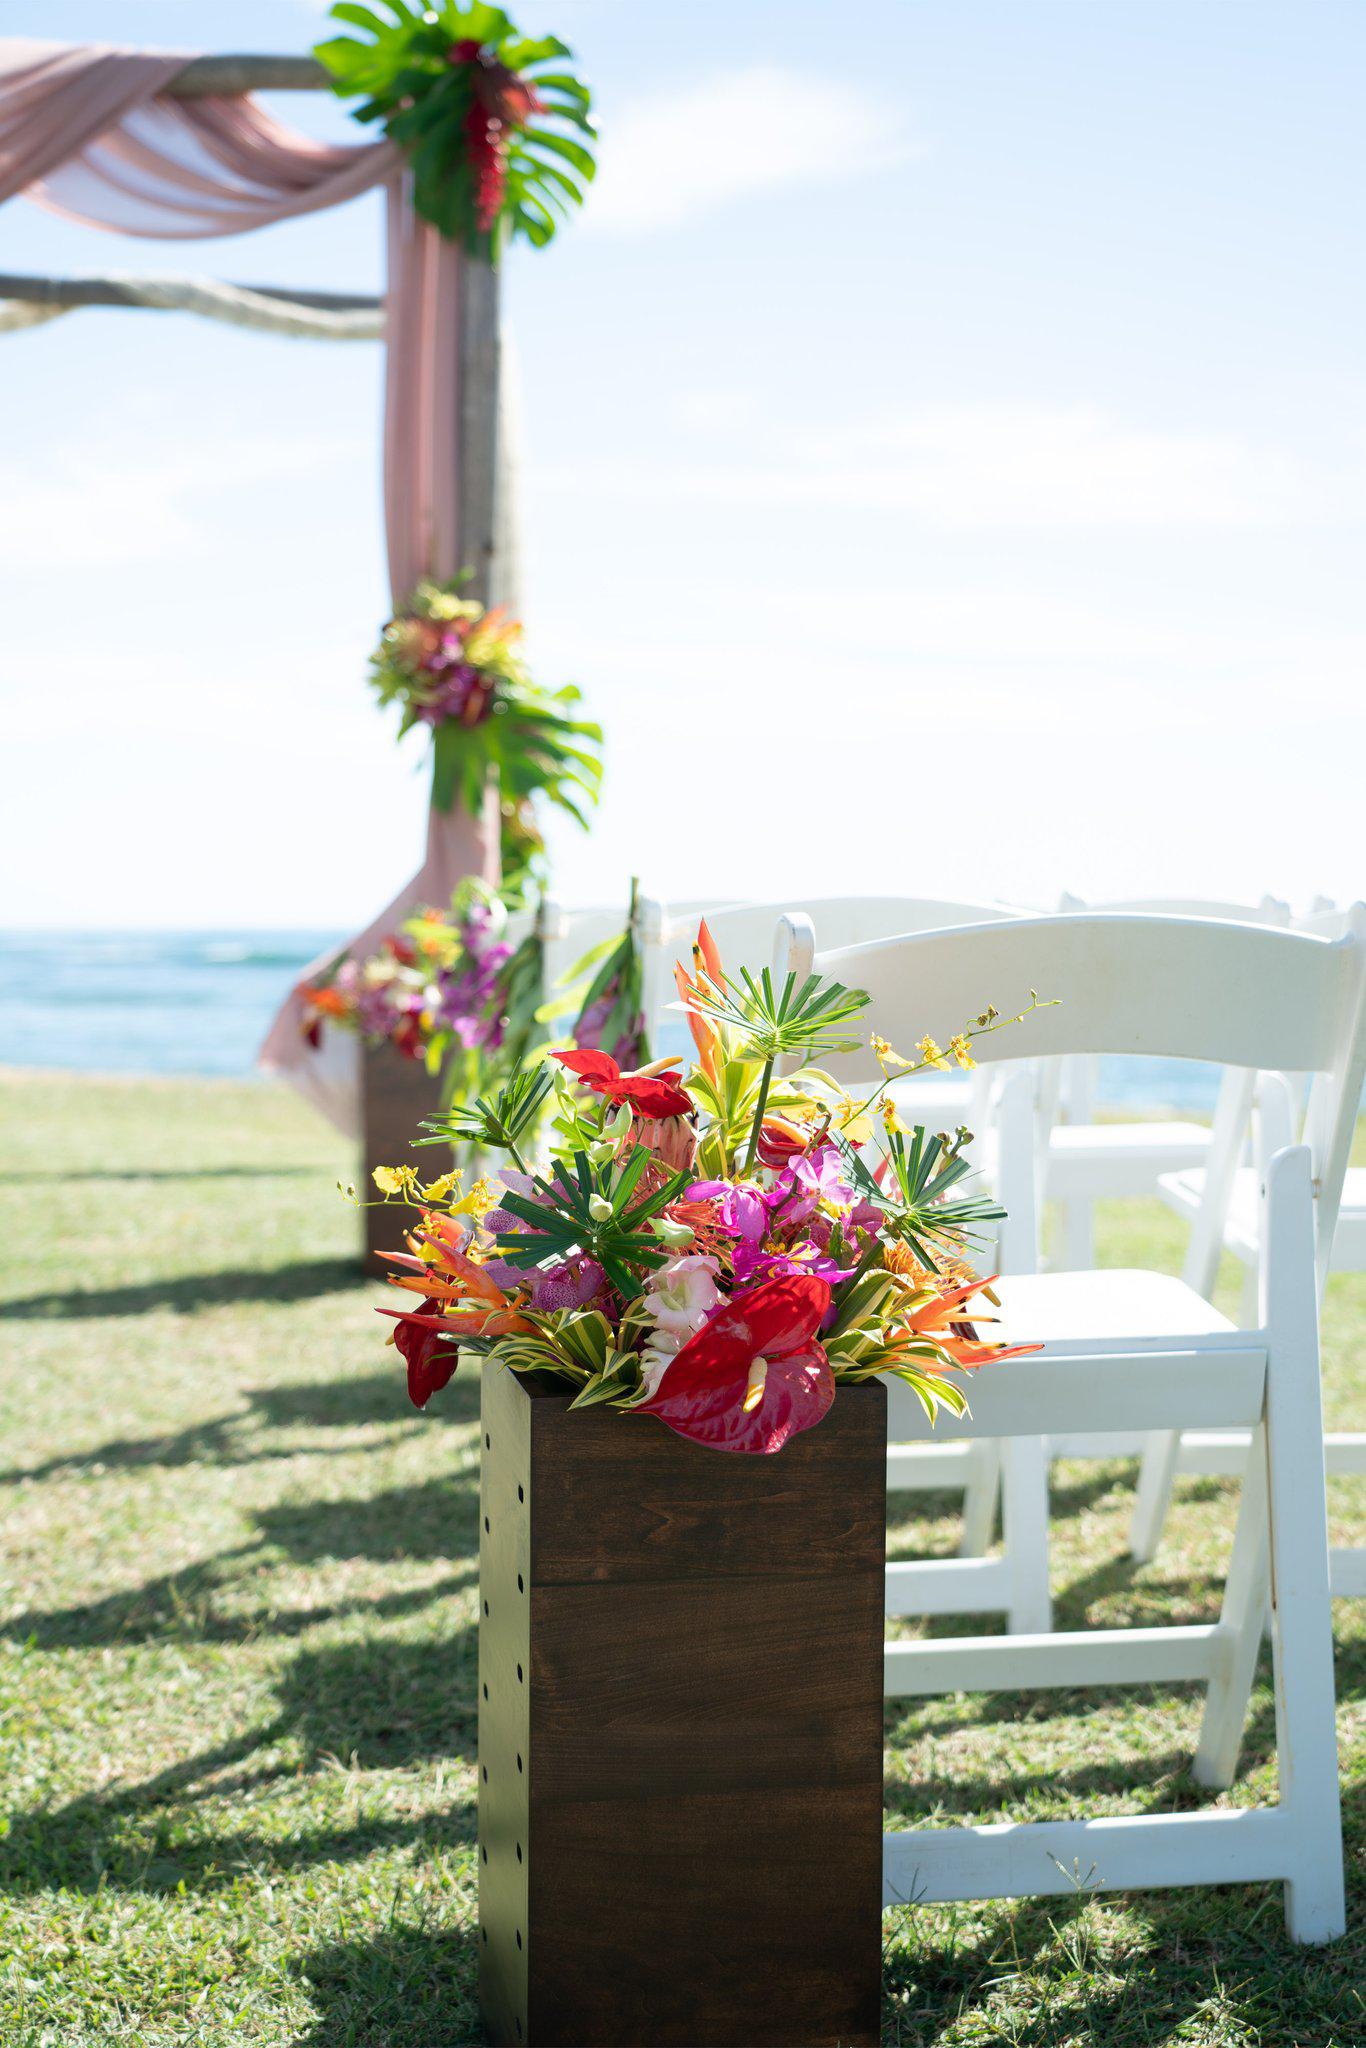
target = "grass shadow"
x: 348, y: 1403
x: 406, y: 1988
x: 435, y: 1518
x: 1213, y: 1966
x: 190, y: 1293
x: 136, y: 1173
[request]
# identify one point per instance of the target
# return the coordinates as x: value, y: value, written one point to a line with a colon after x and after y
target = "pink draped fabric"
x: 84, y: 132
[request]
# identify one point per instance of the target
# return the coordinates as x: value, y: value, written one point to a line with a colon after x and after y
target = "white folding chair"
x: 1143, y: 1351
x: 1222, y: 1204
x: 1086, y: 1161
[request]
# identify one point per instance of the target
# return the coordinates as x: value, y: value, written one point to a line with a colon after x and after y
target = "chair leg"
x: 1078, y: 1238
x: 1155, y: 1477
x: 1024, y: 1513
x: 1241, y: 1621
x: 1301, y: 1605
x: 980, y: 1496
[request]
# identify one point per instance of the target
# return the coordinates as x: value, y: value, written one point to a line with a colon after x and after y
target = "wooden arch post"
x: 397, y: 1094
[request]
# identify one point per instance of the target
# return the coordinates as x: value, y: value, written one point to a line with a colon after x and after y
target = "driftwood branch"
x: 273, y: 309
x: 68, y: 292
x: 203, y: 76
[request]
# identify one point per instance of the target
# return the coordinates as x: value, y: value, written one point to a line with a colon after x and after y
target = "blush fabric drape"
x: 90, y: 132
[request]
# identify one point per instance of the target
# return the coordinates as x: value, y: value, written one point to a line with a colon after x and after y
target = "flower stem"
x: 760, y: 1106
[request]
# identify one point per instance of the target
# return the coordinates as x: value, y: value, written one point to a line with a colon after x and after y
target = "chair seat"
x: 1184, y: 1193
x: 1077, y: 1312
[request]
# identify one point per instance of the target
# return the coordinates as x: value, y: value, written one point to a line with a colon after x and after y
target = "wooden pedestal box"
x: 680, y: 1729
x: 396, y: 1094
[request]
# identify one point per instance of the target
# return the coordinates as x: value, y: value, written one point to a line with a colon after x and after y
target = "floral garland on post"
x: 455, y: 666
x: 439, y: 982
x: 497, y: 132
x: 719, y: 1250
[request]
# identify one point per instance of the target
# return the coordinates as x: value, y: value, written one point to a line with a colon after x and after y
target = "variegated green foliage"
x: 920, y: 1205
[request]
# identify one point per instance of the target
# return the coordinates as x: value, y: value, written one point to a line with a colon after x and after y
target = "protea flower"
x: 672, y: 1139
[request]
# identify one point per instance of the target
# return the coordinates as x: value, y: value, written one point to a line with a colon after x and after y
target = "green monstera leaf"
x: 497, y: 131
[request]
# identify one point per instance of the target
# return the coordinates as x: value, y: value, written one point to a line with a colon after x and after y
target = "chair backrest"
x: 744, y: 931
x: 1238, y: 995
x: 569, y: 934
x: 1070, y: 1086
x: 1268, y: 910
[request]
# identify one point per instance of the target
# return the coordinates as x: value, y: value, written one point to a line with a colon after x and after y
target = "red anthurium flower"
x: 649, y: 1095
x: 780, y: 1141
x: 430, y: 1356
x: 754, y: 1375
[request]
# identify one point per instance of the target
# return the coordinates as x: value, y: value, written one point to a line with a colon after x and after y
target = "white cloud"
x: 675, y: 155
x: 124, y: 500
x: 996, y: 465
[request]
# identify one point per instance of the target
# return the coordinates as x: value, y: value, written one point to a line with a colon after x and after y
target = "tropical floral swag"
x: 720, y: 1250
x: 455, y: 667
x: 438, y: 983
x: 496, y: 131
x: 453, y: 990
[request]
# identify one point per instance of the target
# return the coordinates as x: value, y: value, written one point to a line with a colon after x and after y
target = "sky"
x: 944, y: 471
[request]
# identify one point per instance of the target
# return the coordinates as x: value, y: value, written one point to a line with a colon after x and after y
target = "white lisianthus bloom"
x: 680, y: 1295
x: 655, y: 1360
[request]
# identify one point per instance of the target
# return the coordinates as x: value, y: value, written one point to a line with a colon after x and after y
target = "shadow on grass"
x: 220, y: 1599
x: 384, y: 1705
x: 1192, y: 1965
x: 407, y: 1988
x: 371, y: 1705
x: 151, y: 1846
x: 346, y: 1403
x: 436, y: 1518
x: 190, y: 1293
x: 136, y: 1173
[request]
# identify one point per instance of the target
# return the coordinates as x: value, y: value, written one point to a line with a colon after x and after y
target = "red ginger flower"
x: 459, y: 1299
x: 499, y: 100
x: 706, y: 962
x: 431, y: 1356
x: 650, y: 1095
x: 754, y: 1375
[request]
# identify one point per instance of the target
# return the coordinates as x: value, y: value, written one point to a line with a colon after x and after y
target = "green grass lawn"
x: 237, y: 1645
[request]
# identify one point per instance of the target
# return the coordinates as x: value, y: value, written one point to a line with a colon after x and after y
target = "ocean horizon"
x: 200, y: 1001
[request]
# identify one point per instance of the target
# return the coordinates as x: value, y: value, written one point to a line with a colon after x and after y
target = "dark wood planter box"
x: 396, y: 1094
x: 680, y: 1729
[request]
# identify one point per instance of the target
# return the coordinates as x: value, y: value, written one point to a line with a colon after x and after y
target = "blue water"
x: 145, y: 1002
x: 200, y: 1002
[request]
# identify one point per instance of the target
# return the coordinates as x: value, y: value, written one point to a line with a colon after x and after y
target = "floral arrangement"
x: 444, y: 982
x: 719, y: 1250
x: 455, y: 667
x: 496, y: 130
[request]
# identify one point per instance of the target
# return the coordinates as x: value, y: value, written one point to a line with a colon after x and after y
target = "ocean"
x: 145, y: 1002
x: 199, y: 1002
